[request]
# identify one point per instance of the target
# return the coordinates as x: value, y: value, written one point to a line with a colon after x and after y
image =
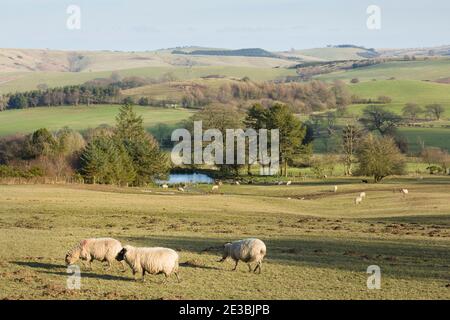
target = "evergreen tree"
x: 104, y: 161
x: 148, y: 160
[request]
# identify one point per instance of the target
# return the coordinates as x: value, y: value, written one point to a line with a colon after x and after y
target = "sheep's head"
x: 226, y: 252
x: 121, y: 255
x: 72, y: 256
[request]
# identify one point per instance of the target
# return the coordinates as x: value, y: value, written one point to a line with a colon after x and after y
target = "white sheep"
x: 101, y: 249
x: 238, y: 183
x: 181, y: 189
x: 358, y: 200
x: 247, y: 250
x: 335, y: 188
x: 280, y: 183
x: 150, y: 260
x: 404, y: 192
x: 362, y: 195
x: 165, y: 186
x: 288, y: 183
x: 215, y: 187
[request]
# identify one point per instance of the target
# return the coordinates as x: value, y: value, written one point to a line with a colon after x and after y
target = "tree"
x: 435, y: 156
x: 106, y: 162
x: 379, y: 157
x: 42, y: 143
x: 377, y: 118
x: 435, y: 110
x: 148, y: 160
x: 351, y: 135
x: 220, y: 117
x: 18, y: 101
x: 384, y: 99
x: 292, y: 132
x: 343, y: 96
x: 412, y: 110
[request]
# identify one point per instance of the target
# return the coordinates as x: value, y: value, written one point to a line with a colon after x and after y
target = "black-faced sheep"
x: 101, y: 249
x: 150, y: 260
x: 247, y: 250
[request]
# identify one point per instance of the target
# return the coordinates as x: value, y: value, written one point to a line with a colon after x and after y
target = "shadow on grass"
x: 434, y: 220
x: 51, y: 267
x: 188, y: 264
x: 406, y: 258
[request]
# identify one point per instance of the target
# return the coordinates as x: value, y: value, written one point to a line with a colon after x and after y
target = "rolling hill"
x: 81, y: 118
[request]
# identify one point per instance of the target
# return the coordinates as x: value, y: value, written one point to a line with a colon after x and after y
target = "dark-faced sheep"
x: 100, y: 249
x: 150, y: 260
x: 247, y: 250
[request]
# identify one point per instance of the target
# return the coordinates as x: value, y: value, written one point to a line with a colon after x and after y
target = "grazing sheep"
x: 151, y: 260
x: 404, y: 192
x: 288, y: 183
x: 358, y: 200
x: 215, y: 187
x: 237, y: 183
x: 101, y: 249
x: 247, y: 250
x: 165, y: 186
x: 362, y: 195
x: 181, y: 189
x: 335, y: 188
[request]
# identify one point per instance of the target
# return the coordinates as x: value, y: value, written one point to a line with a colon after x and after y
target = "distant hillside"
x: 340, y: 53
x: 37, y: 60
x: 251, y: 52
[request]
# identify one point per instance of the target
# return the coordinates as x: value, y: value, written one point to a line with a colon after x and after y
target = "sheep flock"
x: 158, y: 260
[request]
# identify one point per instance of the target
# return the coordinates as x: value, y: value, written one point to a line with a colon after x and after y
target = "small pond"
x: 175, y: 178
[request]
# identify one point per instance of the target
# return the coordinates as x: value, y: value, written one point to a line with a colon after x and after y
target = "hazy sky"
x: 269, y: 24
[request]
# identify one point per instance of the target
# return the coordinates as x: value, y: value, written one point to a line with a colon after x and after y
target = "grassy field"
x: 23, y: 81
x: 81, y: 117
x: 405, y: 70
x: 404, y: 91
x: 315, y: 249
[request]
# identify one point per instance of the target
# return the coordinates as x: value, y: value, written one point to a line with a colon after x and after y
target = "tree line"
x: 301, y: 97
x: 123, y: 155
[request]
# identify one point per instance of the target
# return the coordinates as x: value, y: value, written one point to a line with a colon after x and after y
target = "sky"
x: 138, y: 25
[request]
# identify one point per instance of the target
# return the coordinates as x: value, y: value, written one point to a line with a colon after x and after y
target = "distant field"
x: 23, y: 81
x: 81, y: 117
x: 175, y: 90
x: 431, y: 137
x: 403, y: 91
x: 410, y: 70
x: 315, y: 249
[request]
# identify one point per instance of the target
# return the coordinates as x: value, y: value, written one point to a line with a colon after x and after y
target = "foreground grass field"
x: 81, y: 117
x: 319, y: 243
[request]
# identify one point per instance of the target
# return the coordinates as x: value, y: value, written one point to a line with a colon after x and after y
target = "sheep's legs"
x: 135, y: 275
x: 249, y: 267
x: 258, y: 267
x: 108, y: 266
x: 176, y: 275
x: 124, y: 268
x: 235, y: 266
x: 89, y: 264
